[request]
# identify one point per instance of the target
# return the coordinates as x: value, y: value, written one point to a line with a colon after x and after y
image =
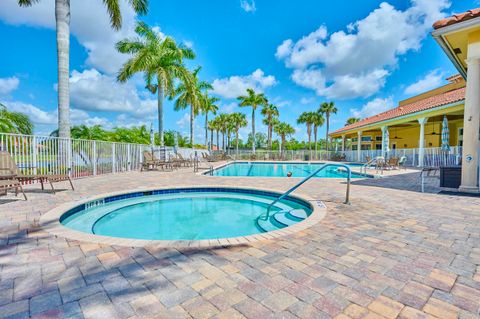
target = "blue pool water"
x: 281, y: 170
x: 182, y: 215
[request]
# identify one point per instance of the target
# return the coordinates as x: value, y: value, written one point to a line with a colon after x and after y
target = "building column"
x: 471, y: 123
x: 343, y: 143
x: 421, y: 141
x: 359, y: 146
x: 384, y: 151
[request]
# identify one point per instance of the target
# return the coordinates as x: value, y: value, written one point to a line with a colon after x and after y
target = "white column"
x: 421, y: 141
x: 471, y: 123
x: 343, y: 143
x: 359, y: 146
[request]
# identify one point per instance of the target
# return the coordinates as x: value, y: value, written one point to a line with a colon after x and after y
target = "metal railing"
x: 288, y: 192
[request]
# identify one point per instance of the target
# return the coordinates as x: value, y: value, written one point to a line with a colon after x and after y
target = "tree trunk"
x: 328, y: 125
x: 270, y: 131
x: 62, y: 19
x: 309, y: 133
x: 253, y: 130
x: 218, y: 141
x: 315, y: 129
x: 211, y: 140
x: 236, y: 137
x: 160, y: 113
x: 192, y: 124
x: 223, y: 141
x: 206, y: 129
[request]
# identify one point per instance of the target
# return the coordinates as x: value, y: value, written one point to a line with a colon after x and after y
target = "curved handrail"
x: 288, y: 192
x: 367, y: 164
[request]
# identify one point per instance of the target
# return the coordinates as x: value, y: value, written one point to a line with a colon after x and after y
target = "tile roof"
x: 456, y: 18
x: 421, y: 105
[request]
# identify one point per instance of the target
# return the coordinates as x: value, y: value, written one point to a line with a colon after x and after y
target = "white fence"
x: 433, y: 156
x: 288, y: 155
x: 80, y: 158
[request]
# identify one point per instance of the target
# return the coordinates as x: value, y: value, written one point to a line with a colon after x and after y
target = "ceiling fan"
x: 433, y: 131
x: 396, y: 137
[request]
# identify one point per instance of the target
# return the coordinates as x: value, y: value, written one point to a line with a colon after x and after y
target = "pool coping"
x: 50, y: 222
x: 207, y: 171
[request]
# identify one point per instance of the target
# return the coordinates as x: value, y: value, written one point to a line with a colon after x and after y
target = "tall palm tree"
x: 254, y: 100
x: 62, y: 19
x: 159, y: 59
x: 270, y: 112
x: 189, y: 93
x: 211, y: 127
x: 317, y: 122
x: 327, y: 108
x: 352, y: 120
x: 208, y: 106
x: 307, y: 118
x: 223, y: 128
x: 14, y: 122
x: 283, y: 130
x: 238, y: 121
x: 217, y: 126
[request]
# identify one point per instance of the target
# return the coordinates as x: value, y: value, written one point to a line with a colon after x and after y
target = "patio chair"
x: 8, y: 166
x: 184, y: 161
x: 393, y: 162
x: 402, y: 162
x: 12, y: 183
x: 151, y: 162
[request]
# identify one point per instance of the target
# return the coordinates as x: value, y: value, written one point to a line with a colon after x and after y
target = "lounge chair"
x: 186, y: 162
x: 11, y: 183
x: 151, y: 162
x: 402, y: 162
x: 8, y: 166
x: 393, y: 163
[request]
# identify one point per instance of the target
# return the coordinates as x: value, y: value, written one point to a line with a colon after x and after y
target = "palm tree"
x: 208, y: 106
x: 238, y: 121
x: 317, y: 121
x: 211, y: 127
x: 217, y: 126
x: 223, y: 128
x: 254, y: 100
x: 189, y: 93
x: 307, y: 118
x: 352, y: 120
x: 283, y: 130
x: 14, y: 122
x: 270, y: 112
x: 327, y: 108
x: 159, y: 59
x: 62, y: 19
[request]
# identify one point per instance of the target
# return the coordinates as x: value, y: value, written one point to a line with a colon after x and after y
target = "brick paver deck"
x: 392, y: 253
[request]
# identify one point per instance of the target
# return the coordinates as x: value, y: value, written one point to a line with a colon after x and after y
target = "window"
x: 354, y: 139
x: 460, y: 136
x: 378, y: 147
x: 366, y: 138
x: 378, y: 138
x: 354, y: 147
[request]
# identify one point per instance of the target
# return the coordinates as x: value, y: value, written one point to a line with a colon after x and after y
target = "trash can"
x: 450, y: 176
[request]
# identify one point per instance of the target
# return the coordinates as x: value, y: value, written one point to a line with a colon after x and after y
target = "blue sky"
x: 363, y: 55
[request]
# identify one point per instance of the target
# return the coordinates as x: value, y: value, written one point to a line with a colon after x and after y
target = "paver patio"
x: 392, y: 253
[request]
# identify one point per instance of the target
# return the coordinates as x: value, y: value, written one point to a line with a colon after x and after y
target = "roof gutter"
x: 439, y: 108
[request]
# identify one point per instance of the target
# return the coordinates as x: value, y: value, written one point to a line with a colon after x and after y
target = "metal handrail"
x: 367, y: 164
x: 288, y: 192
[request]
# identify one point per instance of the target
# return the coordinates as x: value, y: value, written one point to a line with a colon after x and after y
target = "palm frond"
x: 113, y: 9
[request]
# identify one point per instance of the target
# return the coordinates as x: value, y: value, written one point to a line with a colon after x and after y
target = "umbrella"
x: 386, y: 141
x: 152, y: 136
x: 445, y: 135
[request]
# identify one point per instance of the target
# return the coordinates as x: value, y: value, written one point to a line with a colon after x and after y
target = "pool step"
x: 282, y: 219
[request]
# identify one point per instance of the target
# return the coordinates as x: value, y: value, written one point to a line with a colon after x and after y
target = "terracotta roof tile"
x: 456, y: 18
x: 422, y: 105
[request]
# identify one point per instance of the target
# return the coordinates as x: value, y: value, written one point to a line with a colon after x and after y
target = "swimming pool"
x: 272, y: 169
x: 185, y: 214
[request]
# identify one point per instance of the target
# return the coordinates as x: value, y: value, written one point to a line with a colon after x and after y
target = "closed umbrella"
x: 445, y: 135
x: 386, y: 141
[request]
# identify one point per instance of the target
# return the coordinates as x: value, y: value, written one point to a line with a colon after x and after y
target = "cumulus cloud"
x: 184, y: 121
x: 228, y: 108
x: 430, y: 81
x: 90, y: 24
x: 368, y: 49
x: 236, y: 85
x: 248, y: 5
x: 91, y: 90
x: 8, y: 85
x: 373, y: 107
x: 307, y: 100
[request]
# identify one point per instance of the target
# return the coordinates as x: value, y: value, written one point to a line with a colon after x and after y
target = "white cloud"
x: 92, y: 91
x: 90, y: 24
x: 8, y: 85
x: 367, y: 50
x: 236, y: 85
x: 248, y: 5
x: 37, y: 115
x: 184, y: 121
x: 432, y: 80
x: 373, y: 107
x: 228, y: 108
x: 307, y: 100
